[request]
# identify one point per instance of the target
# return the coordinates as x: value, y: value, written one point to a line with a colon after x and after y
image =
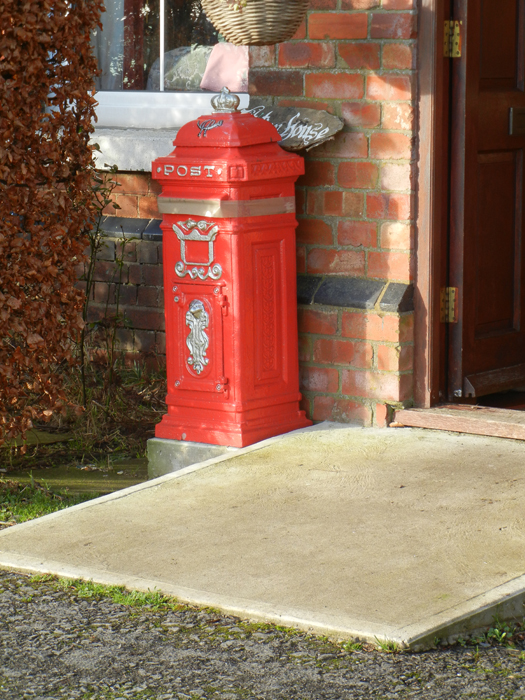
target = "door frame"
x: 430, y: 354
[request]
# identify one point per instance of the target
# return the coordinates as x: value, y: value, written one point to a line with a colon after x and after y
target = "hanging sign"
x: 299, y: 127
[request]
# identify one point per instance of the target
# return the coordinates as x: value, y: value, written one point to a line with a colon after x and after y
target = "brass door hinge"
x: 449, y: 305
x: 452, y: 39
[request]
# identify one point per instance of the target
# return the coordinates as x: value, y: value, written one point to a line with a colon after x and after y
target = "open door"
x: 487, y: 251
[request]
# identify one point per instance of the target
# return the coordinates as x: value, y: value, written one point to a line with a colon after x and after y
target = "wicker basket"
x: 260, y: 23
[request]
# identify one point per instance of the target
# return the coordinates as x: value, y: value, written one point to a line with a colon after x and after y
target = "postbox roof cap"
x: 226, y: 130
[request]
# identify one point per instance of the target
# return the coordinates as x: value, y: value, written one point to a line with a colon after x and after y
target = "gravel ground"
x: 57, y: 645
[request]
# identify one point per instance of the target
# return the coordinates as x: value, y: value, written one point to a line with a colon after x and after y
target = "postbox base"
x: 168, y: 456
x: 182, y: 423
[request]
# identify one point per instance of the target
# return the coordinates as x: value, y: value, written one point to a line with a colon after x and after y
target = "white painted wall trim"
x: 131, y: 149
x: 135, y: 127
x: 140, y: 109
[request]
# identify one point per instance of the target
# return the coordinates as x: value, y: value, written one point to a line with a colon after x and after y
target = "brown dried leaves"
x: 46, y: 115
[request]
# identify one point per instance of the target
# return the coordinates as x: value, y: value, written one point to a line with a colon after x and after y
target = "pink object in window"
x: 227, y: 67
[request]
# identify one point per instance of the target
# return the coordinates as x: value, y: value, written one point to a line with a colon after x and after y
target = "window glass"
x: 128, y: 48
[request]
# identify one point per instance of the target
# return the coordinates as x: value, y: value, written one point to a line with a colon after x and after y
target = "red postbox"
x: 228, y: 205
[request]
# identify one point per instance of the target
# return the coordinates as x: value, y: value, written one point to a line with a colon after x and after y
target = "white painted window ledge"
x: 131, y: 149
x: 135, y: 127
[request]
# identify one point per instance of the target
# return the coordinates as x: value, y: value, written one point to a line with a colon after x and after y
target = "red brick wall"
x: 136, y: 196
x: 355, y: 204
x: 357, y: 60
x: 141, y: 294
x: 354, y: 363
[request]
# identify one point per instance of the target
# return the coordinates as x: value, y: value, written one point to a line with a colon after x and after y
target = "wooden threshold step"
x: 475, y: 420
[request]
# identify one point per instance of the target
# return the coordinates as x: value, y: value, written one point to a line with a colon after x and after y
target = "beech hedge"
x: 47, y: 72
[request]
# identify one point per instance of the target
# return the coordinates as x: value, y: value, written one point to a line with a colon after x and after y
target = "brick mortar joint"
x: 366, y: 401
x: 359, y: 249
x: 374, y: 342
x: 352, y: 368
x: 308, y: 393
x: 325, y: 308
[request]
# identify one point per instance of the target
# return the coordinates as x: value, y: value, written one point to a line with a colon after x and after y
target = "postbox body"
x: 228, y: 206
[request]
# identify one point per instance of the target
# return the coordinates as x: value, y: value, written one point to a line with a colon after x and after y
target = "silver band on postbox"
x: 227, y: 208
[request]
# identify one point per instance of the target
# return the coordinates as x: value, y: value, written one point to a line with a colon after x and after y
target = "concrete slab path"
x: 406, y: 535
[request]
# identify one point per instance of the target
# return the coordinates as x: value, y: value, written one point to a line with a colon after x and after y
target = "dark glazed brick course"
x: 398, y: 297
x: 128, y: 227
x: 306, y: 288
x: 123, y: 227
x: 354, y: 293
x: 153, y: 232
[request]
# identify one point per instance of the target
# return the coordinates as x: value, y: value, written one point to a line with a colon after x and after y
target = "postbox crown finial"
x: 226, y: 101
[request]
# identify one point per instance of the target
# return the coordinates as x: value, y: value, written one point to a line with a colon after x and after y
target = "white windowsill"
x: 131, y: 149
x: 135, y: 127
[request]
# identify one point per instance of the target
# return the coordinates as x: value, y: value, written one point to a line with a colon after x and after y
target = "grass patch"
x: 352, y: 646
x: 388, y: 646
x: 152, y: 600
x: 22, y: 502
